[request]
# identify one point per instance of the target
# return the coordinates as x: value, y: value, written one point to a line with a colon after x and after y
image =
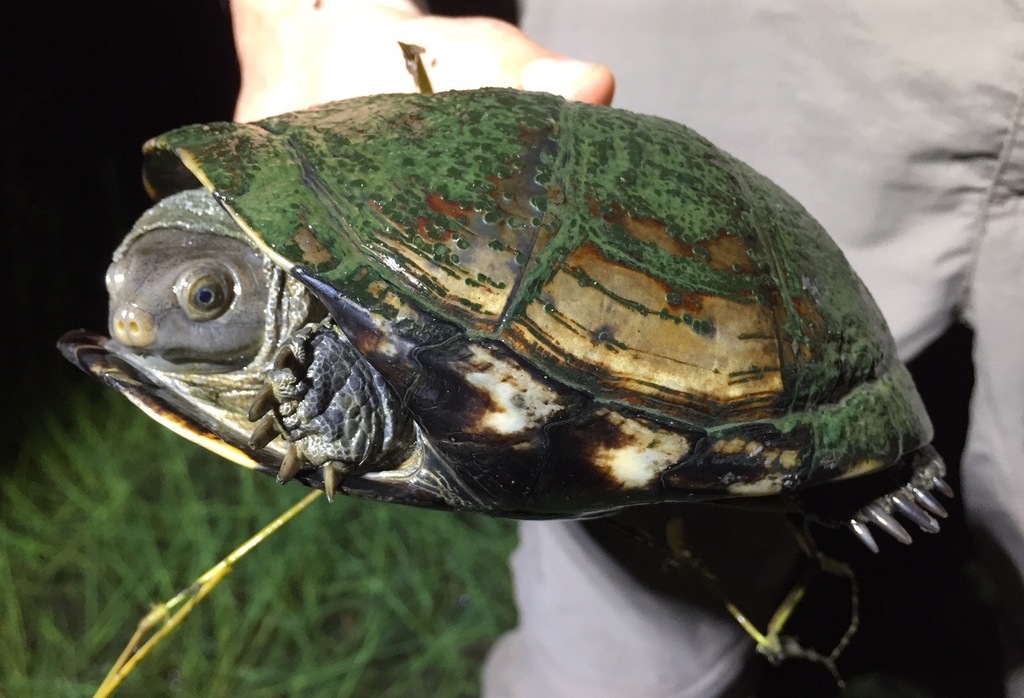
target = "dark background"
x: 84, y: 87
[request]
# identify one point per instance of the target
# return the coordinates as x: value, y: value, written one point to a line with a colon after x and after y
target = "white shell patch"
x: 770, y: 485
x: 518, y: 402
x: 646, y: 452
x: 771, y: 458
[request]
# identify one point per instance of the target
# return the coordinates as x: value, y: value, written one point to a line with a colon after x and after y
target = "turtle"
x: 504, y: 302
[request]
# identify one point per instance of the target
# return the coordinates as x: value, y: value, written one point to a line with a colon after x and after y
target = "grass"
x: 105, y: 513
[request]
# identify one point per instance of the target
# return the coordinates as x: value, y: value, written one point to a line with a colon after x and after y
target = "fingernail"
x: 558, y: 76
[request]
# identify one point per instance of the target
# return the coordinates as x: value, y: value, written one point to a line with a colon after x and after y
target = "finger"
x: 583, y: 82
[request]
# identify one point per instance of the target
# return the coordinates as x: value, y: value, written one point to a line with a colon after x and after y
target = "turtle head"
x: 197, y: 314
x: 187, y: 288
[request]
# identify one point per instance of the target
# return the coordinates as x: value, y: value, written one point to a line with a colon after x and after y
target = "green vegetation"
x: 105, y: 513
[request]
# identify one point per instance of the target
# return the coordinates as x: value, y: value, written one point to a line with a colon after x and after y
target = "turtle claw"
x: 290, y: 465
x: 262, y: 403
x: 942, y: 486
x: 265, y: 431
x: 330, y: 474
x: 286, y: 358
x: 915, y: 502
x: 863, y: 534
x: 885, y: 521
x: 905, y: 505
x: 263, y: 411
x: 926, y: 500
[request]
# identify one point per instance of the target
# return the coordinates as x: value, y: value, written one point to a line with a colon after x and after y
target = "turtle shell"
x: 612, y: 259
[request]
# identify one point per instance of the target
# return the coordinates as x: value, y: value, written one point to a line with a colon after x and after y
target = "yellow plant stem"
x: 160, y: 621
x: 772, y: 644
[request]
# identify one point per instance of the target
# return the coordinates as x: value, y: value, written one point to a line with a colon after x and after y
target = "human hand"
x: 294, y: 54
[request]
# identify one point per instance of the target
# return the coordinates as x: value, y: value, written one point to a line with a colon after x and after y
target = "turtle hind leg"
x: 914, y: 501
x: 333, y: 408
x: 892, y: 500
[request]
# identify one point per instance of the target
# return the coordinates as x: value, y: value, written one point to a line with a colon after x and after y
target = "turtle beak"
x: 96, y: 355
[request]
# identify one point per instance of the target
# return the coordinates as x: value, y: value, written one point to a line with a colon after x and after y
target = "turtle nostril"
x: 133, y: 327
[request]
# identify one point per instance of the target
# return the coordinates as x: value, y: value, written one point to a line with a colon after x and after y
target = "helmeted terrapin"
x: 504, y: 302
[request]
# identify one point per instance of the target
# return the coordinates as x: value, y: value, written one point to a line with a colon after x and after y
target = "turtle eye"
x: 205, y: 294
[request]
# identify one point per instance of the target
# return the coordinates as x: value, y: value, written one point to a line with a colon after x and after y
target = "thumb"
x: 572, y: 79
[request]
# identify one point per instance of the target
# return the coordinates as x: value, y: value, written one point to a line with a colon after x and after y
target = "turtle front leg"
x: 334, y: 409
